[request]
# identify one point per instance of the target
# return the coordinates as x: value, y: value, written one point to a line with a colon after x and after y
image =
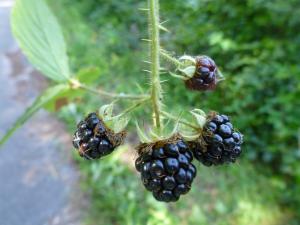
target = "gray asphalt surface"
x: 38, y: 181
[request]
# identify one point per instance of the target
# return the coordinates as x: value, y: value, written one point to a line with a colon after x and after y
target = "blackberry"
x: 205, y: 77
x: 222, y: 144
x: 93, y: 139
x: 166, y: 169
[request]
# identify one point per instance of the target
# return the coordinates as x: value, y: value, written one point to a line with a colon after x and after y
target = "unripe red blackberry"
x: 220, y: 144
x: 205, y: 76
x: 93, y: 139
x: 166, y: 168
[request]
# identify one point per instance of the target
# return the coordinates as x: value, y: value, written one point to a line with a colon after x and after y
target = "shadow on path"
x: 38, y: 182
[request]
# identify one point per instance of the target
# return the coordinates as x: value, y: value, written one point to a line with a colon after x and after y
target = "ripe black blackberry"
x: 205, y: 77
x: 220, y: 144
x: 166, y: 168
x: 93, y: 139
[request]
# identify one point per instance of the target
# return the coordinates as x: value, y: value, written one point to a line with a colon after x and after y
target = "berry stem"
x: 170, y: 116
x: 156, y: 92
x: 75, y: 84
x: 134, y: 106
x: 170, y: 58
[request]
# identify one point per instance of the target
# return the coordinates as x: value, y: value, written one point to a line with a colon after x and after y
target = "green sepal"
x: 117, y: 123
x: 106, y: 111
x: 120, y: 123
x: 142, y: 136
x: 188, y: 71
x: 199, y: 116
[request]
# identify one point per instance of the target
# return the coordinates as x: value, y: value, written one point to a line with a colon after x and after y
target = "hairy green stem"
x: 170, y: 58
x: 184, y: 122
x: 156, y: 93
x: 134, y: 106
x: 77, y: 85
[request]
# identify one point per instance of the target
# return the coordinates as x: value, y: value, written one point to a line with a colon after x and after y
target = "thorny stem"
x: 156, y: 93
x: 170, y: 116
x: 77, y: 85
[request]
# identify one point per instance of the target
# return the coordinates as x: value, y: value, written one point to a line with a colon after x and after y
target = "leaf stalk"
x: 75, y: 84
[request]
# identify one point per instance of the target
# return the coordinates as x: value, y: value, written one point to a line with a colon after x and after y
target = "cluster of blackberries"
x: 166, y: 169
x: 93, y: 139
x: 221, y: 143
x: 205, y: 77
x: 166, y: 166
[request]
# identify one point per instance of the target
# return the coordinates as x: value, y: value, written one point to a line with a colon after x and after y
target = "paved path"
x: 38, y: 182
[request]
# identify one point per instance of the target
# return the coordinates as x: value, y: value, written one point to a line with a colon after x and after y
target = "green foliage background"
x: 256, y: 44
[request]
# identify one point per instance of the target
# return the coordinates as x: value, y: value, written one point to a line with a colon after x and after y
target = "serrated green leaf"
x: 40, y: 37
x: 45, y: 97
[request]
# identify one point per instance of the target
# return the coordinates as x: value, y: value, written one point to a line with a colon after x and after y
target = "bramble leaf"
x: 40, y: 38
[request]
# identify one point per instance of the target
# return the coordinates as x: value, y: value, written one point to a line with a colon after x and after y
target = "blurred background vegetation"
x: 256, y: 44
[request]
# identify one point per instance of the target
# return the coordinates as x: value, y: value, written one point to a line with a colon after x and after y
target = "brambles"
x: 220, y: 142
x: 166, y: 169
x: 166, y: 166
x: 164, y: 161
x: 205, y: 76
x: 93, y: 139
